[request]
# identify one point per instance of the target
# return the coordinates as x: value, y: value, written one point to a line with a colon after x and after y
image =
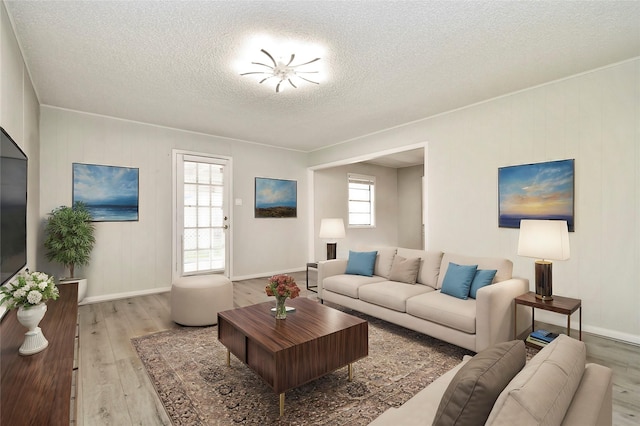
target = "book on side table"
x: 541, y: 337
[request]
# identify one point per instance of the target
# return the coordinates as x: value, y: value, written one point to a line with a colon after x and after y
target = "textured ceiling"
x: 388, y: 62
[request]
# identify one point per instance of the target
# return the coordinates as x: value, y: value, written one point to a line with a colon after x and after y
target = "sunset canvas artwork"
x: 536, y: 191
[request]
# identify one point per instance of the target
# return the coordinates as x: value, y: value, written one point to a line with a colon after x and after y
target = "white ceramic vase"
x: 34, y: 340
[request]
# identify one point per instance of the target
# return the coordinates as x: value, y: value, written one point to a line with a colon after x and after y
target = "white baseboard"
x: 561, y: 321
x: 117, y: 296
x: 266, y: 274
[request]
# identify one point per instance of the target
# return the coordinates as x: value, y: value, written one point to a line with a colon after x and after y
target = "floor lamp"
x: 331, y: 229
x: 544, y: 240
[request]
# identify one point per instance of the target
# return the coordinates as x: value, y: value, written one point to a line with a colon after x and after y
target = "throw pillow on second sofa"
x: 474, y: 389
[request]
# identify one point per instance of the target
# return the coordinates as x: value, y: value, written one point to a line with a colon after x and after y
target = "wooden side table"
x: 313, y: 265
x: 559, y: 304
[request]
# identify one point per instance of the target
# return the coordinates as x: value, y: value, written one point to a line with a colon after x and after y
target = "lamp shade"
x: 544, y: 239
x: 332, y: 228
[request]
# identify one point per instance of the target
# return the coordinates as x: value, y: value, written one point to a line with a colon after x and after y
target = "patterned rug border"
x: 196, y: 391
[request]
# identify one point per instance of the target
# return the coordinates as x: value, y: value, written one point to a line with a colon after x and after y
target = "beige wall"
x: 135, y: 257
x: 330, y: 200
x: 410, y: 207
x: 19, y: 115
x: 595, y: 119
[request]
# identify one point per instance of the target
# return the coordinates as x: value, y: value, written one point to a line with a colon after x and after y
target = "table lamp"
x: 544, y: 240
x: 332, y: 229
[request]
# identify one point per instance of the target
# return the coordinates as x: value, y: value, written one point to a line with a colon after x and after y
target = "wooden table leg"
x: 282, y: 404
x: 350, y: 369
x: 580, y: 318
x: 228, y: 357
x: 515, y: 321
x: 569, y: 325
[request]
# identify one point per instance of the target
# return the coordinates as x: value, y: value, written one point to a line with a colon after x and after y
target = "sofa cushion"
x: 429, y: 267
x: 482, y: 278
x: 458, y: 279
x: 475, y: 387
x: 503, y: 266
x: 391, y: 294
x: 542, y: 392
x: 443, y: 309
x: 348, y: 285
x: 404, y: 270
x: 384, y: 259
x: 361, y: 263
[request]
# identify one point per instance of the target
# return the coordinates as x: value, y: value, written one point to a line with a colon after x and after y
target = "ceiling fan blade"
x: 307, y: 72
x: 293, y: 55
x: 306, y: 63
x: 291, y: 82
x: 254, y: 72
x: 275, y: 64
x: 305, y: 79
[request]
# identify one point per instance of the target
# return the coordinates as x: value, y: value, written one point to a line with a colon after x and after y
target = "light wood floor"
x: 113, y: 387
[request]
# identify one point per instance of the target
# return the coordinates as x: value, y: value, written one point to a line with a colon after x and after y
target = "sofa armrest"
x: 494, y: 312
x: 327, y: 268
x: 592, y: 403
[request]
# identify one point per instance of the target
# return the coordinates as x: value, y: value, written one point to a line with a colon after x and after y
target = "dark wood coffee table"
x: 313, y: 341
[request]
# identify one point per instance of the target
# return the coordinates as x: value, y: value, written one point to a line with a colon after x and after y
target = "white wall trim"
x: 267, y: 274
x: 127, y: 295
x: 506, y: 95
x: 560, y: 321
x: 159, y: 126
x: 370, y: 156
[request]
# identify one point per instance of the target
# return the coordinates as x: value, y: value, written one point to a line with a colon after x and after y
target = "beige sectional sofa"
x: 474, y: 324
x: 556, y: 387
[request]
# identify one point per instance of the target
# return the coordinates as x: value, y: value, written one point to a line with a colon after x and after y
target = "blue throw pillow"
x: 361, y: 263
x: 483, y: 277
x: 458, y: 279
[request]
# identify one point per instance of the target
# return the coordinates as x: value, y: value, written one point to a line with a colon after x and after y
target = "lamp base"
x: 331, y: 250
x: 544, y: 288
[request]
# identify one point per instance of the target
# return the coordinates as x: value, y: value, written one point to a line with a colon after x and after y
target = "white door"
x: 202, y: 216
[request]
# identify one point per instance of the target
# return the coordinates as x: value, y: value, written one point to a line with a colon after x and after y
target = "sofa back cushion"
x: 429, y: 266
x: 542, y: 392
x: 384, y: 260
x: 475, y: 387
x: 504, y: 267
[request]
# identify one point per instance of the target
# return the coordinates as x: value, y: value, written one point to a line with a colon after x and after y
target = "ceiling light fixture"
x: 283, y: 72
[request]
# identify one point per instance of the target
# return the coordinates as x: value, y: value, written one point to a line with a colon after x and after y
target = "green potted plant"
x: 69, y: 239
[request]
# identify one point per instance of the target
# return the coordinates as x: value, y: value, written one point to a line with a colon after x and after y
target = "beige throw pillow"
x: 474, y: 389
x: 404, y: 270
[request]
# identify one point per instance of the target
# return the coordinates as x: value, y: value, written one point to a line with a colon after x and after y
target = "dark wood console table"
x: 36, y: 389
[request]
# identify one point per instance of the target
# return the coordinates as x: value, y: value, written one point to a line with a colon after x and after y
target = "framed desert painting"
x: 536, y: 191
x: 276, y: 198
x: 110, y: 192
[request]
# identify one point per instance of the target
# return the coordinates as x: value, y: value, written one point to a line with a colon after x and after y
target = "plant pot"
x: 34, y: 340
x: 82, y: 286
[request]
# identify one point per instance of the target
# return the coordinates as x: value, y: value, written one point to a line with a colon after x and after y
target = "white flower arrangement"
x: 28, y: 289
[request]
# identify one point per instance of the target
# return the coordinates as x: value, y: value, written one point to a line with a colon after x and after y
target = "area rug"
x: 188, y: 368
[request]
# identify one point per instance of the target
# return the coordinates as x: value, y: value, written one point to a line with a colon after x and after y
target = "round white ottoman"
x: 196, y: 300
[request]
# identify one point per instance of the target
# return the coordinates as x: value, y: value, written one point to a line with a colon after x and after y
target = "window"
x: 361, y: 200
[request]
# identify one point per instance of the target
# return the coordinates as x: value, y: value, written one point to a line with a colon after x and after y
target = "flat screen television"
x: 13, y: 208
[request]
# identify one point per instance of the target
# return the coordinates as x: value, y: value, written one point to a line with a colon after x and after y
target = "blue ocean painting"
x: 536, y: 191
x: 276, y: 198
x: 110, y: 192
